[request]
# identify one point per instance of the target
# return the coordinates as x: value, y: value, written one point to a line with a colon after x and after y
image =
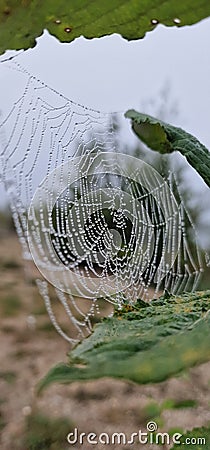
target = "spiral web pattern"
x: 98, y: 223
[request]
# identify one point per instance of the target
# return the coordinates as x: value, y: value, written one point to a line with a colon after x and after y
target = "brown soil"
x: 29, y: 349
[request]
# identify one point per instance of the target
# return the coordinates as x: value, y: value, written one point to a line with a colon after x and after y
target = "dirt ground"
x: 30, y: 347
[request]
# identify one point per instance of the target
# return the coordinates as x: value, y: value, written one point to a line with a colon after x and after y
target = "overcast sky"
x: 111, y: 74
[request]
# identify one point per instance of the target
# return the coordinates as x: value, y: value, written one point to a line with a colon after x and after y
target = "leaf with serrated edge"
x: 21, y: 22
x: 197, y: 434
x: 148, y: 344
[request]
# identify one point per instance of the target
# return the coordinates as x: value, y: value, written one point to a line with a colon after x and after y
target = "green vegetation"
x: 45, y: 433
x: 22, y: 22
x: 179, y: 404
x: 195, y: 435
x: 151, y: 411
x: 140, y: 343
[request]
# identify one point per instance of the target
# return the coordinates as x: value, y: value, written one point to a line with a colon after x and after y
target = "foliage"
x: 195, y: 435
x: 43, y: 432
x: 166, y: 138
x: 144, y: 343
x: 22, y: 22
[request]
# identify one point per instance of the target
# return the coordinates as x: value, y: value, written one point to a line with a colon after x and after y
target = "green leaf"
x: 165, y: 138
x: 145, y: 343
x: 192, y: 439
x: 22, y: 21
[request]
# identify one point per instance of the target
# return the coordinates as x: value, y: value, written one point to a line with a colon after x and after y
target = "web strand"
x: 98, y: 223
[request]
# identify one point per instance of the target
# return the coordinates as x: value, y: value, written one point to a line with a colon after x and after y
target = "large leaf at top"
x: 144, y: 343
x: 165, y: 138
x: 22, y: 21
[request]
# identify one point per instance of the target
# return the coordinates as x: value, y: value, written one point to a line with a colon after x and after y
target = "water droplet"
x: 154, y: 21
x: 31, y: 322
x: 176, y: 20
x: 68, y: 29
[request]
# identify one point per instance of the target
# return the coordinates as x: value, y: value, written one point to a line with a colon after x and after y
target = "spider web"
x: 98, y: 223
